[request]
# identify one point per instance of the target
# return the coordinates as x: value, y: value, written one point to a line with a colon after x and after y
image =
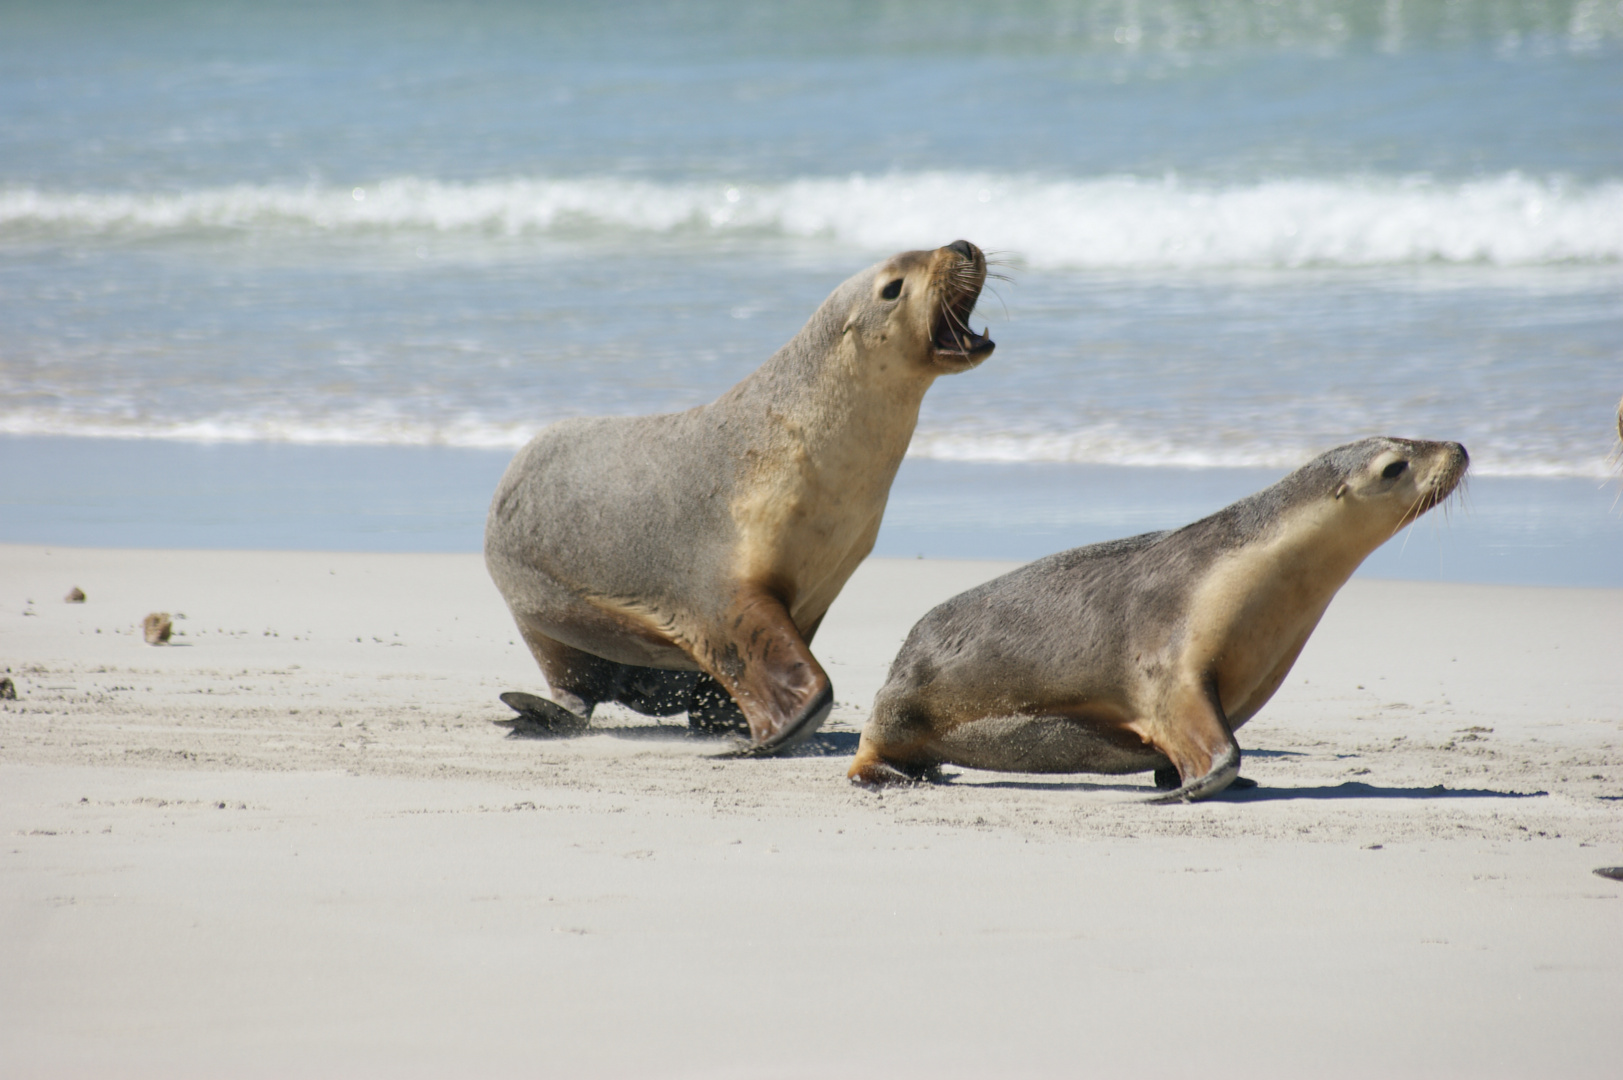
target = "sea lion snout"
x: 958, y: 281
x: 1447, y: 463
x: 1411, y: 476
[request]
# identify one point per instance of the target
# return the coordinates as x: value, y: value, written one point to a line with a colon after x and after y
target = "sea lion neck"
x: 826, y: 386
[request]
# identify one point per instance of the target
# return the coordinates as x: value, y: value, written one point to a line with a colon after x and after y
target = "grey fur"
x: 1044, y: 668
x: 621, y: 537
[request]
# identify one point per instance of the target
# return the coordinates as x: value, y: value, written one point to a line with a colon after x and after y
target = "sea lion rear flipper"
x: 538, y: 717
x: 763, y: 662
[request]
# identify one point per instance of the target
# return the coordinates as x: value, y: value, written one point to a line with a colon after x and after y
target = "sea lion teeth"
x: 682, y: 563
x: 1146, y: 653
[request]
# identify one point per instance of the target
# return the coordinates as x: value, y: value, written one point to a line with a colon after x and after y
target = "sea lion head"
x: 1395, y: 480
x: 915, y: 307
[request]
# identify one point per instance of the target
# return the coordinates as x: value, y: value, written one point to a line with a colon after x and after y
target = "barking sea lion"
x: 1146, y: 653
x: 682, y: 562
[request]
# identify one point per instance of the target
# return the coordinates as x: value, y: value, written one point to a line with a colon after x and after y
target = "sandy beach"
x: 284, y: 288
x: 293, y: 839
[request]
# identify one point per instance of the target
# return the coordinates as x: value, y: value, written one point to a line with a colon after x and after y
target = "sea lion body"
x: 683, y: 562
x: 1146, y: 653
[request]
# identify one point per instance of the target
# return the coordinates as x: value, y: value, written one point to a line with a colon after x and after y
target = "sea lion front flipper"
x: 1225, y: 770
x: 1167, y: 779
x: 1193, y: 732
x: 764, y: 663
x: 538, y: 717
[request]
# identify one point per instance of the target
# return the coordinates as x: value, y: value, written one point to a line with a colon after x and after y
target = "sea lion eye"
x: 893, y: 290
x: 1394, y: 470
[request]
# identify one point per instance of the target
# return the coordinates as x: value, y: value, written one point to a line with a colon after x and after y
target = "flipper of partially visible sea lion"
x: 1147, y: 653
x: 653, y: 560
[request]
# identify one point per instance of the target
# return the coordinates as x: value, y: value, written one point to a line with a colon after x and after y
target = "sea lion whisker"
x: 1410, y: 517
x: 968, y: 337
x: 1403, y: 527
x: 1454, y: 499
x: 1004, y: 260
x: 959, y: 285
x: 1461, y: 497
x: 999, y: 297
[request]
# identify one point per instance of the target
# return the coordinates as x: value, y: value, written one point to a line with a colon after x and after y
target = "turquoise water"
x: 1235, y: 233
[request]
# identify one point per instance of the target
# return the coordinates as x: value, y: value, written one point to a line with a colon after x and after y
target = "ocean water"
x: 1233, y: 233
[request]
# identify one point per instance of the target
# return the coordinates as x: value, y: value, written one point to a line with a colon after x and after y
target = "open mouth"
x: 954, y: 341
x: 953, y: 338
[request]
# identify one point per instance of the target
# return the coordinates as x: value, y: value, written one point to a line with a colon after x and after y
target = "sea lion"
x: 1146, y: 653
x: 683, y: 562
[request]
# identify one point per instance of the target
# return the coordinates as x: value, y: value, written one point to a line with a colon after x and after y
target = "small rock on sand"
x: 75, y: 595
x: 157, y: 628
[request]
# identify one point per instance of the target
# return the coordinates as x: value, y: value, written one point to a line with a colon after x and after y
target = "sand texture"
x: 292, y: 839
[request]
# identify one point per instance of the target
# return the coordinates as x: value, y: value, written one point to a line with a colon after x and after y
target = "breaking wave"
x: 1100, y: 223
x: 1502, y: 453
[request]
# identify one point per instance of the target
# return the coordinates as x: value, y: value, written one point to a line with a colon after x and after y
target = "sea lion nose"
x: 964, y: 248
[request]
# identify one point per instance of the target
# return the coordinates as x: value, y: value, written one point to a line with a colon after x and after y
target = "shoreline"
x: 294, y: 839
x: 92, y: 493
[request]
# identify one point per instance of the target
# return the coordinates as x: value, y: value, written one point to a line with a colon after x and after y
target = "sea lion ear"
x: 1342, y: 490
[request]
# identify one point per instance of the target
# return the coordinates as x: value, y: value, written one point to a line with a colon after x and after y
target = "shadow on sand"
x: 844, y: 744
x: 822, y: 744
x: 1350, y: 790
x: 1355, y: 790
x: 960, y: 780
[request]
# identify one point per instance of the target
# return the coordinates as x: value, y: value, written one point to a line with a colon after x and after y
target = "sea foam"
x: 1495, y: 453
x: 1096, y: 223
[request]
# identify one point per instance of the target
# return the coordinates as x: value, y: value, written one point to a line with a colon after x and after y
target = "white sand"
x: 292, y: 841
